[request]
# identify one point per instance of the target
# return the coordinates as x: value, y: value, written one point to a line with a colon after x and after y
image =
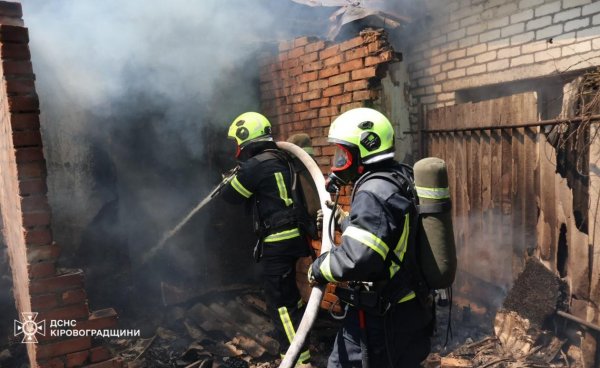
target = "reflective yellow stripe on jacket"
x: 235, y: 183
x: 400, y: 249
x: 282, y: 235
x: 368, y: 239
x: 283, y: 194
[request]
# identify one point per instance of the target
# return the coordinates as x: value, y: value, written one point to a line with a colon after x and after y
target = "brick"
x: 19, y: 86
x: 358, y: 53
x: 571, y: 3
x: 38, y: 237
x: 533, y: 47
x: 41, y: 270
x: 334, y: 60
x: 447, y: 66
x: 461, y: 63
x: 314, y: 46
x: 30, y: 170
x: 484, y: 58
x: 113, y: 363
x: 11, y: 9
x: 11, y: 51
x: 340, y: 78
x: 13, y: 34
x: 364, y: 73
x: 439, y: 59
x: 351, y: 43
x: 374, y: 47
x: 596, y: 43
x: 476, y: 28
x: 100, y: 319
x: 364, y: 95
x: 383, y: 57
x: 43, y: 253
x: 588, y: 32
x: 596, y: 19
x: 30, y: 154
x: 457, y: 73
x: 548, y: 32
x: 473, y: 19
x: 539, y: 23
x: 593, y: 8
x: 63, y: 347
x: 299, y: 107
x: 59, y: 283
x: 17, y: 67
x: 457, y: 54
x: 477, y: 49
x: 23, y: 104
x: 34, y: 190
x: 438, y: 41
x: 567, y: 15
x: 295, y: 52
x: 529, y: 3
x: 356, y: 85
x: 468, y: 41
x: 525, y: 59
x: 309, y: 114
x: 351, y: 65
x: 333, y: 91
x: 551, y: 8
x: 328, y: 72
x: 522, y: 38
x: 311, y: 95
x: 310, y: 57
x: 321, y: 102
x: 77, y: 359
x: 350, y: 106
x: 513, y: 29
x: 316, y: 65
x: 489, y: 36
x: 307, y: 77
x: 329, y: 52
x: 440, y: 77
x: 99, y: 354
x: 341, y: 99
x: 522, y: 16
x: 477, y: 69
x: 52, y: 363
x: 301, y: 41
x: 455, y: 35
x: 43, y: 302
x: 318, y: 84
x: 293, y: 72
x: 498, y: 23
x: 77, y: 312
x: 577, y: 23
x: 27, y: 139
x: 294, y: 99
x: 576, y: 48
x: 290, y: 63
x: 509, y: 52
x: 329, y: 111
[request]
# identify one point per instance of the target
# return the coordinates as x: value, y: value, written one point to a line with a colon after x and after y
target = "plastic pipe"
x: 314, y: 301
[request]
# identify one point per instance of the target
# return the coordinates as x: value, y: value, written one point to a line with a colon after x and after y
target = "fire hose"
x: 314, y: 301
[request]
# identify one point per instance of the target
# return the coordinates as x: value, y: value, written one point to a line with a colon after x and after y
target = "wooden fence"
x: 508, y: 201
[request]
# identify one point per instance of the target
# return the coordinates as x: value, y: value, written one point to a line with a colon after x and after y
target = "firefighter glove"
x: 319, y: 219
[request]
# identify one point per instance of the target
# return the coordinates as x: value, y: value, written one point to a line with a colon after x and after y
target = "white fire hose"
x: 314, y: 302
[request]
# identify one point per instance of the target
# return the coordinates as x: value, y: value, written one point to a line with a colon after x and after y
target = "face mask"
x: 345, y: 168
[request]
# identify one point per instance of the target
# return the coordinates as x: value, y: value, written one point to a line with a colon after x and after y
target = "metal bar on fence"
x: 578, y: 119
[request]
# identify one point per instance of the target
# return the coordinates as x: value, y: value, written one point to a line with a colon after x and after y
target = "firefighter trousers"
x: 407, y: 328
x: 284, y: 304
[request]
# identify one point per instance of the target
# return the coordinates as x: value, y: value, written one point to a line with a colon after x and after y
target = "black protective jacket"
x: 263, y: 181
x: 379, y: 223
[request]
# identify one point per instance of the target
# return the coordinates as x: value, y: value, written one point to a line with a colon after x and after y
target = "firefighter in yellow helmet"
x: 389, y: 311
x: 264, y: 182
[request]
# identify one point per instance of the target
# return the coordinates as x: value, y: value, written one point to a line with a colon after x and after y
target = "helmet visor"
x: 342, y: 159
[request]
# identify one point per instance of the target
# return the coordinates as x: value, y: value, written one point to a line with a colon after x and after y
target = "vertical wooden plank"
x: 430, y: 138
x: 594, y: 215
x: 506, y: 183
x: 495, y: 214
x: 480, y: 251
x: 485, y: 154
x: 531, y: 174
x: 518, y: 184
x: 547, y: 221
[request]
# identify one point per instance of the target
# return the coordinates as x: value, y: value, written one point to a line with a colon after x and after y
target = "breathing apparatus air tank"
x: 435, y: 237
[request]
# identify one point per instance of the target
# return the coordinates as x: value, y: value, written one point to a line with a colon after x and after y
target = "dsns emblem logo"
x: 29, y: 327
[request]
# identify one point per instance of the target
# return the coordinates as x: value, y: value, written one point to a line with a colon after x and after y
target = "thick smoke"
x: 135, y: 99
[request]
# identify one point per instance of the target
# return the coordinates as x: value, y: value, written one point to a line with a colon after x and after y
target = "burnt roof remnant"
x: 369, y: 13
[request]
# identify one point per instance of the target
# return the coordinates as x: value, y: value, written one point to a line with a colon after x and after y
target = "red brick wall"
x: 26, y: 216
x: 310, y: 82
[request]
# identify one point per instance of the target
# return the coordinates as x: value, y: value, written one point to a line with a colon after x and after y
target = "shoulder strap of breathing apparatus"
x: 409, y: 277
x: 298, y: 213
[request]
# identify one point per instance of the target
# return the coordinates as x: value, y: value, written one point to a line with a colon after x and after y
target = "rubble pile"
x: 228, y: 329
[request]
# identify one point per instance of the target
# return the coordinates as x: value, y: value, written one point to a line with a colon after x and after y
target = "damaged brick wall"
x: 39, y: 286
x: 310, y: 82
